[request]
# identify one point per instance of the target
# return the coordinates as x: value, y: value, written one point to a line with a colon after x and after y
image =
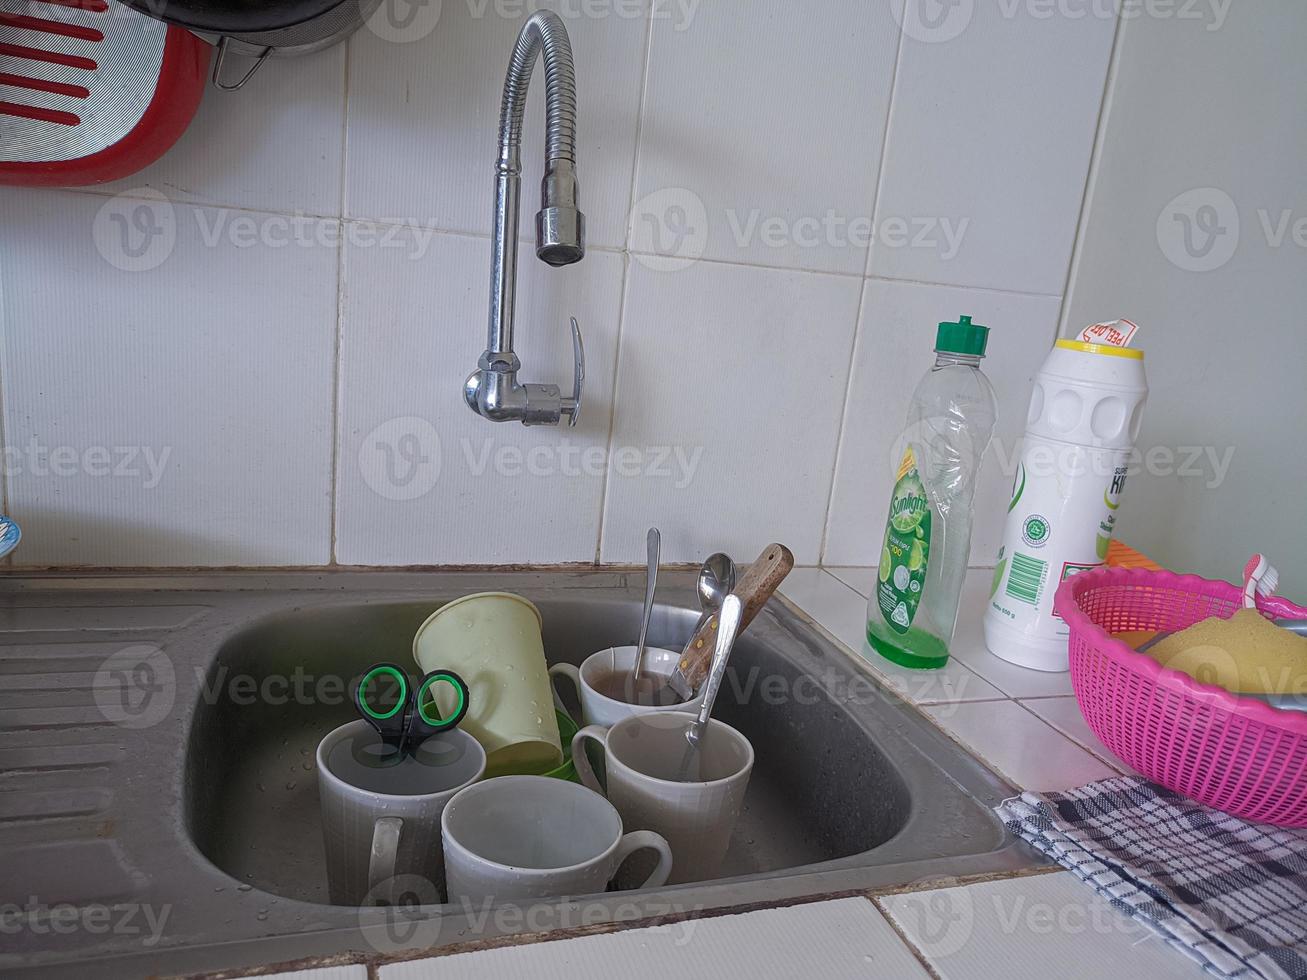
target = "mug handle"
x: 381, y: 863
x: 572, y: 674
x: 582, y: 761
x: 638, y: 840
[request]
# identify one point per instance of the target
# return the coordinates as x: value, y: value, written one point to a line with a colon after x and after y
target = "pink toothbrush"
x: 1259, y: 578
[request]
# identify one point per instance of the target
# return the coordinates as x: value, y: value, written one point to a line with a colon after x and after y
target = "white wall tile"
x: 355, y: 972
x: 1065, y: 715
x: 1030, y: 928
x: 414, y: 325
x: 219, y: 356
x: 860, y: 578
x: 765, y: 112
x: 275, y: 145
x: 842, y: 613
x: 739, y: 371
x: 424, y: 115
x: 969, y: 646
x: 847, y: 937
x: 895, y: 348
x: 754, y: 111
x: 1207, y: 119
x: 994, y: 115
x: 1019, y: 746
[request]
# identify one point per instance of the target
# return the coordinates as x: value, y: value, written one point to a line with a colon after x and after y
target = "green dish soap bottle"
x: 923, y: 559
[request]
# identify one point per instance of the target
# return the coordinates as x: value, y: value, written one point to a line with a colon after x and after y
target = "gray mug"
x: 642, y: 754
x: 381, y: 825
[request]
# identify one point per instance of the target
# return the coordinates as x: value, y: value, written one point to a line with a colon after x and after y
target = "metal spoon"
x: 728, y: 626
x: 716, y: 581
x: 654, y: 544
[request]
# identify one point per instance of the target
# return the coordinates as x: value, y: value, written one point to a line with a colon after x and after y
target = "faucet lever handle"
x: 572, y: 406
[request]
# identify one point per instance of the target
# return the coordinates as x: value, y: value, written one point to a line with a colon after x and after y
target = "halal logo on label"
x: 1035, y: 530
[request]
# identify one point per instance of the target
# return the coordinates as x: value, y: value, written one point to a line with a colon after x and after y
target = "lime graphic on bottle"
x: 906, y: 553
x: 917, y: 556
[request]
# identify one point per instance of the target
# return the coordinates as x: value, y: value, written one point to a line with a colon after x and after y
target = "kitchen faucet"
x: 493, y: 390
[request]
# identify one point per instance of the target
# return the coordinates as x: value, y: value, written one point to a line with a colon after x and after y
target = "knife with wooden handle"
x: 754, y: 589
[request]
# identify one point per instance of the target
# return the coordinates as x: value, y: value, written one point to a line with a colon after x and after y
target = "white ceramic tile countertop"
x: 1024, y: 725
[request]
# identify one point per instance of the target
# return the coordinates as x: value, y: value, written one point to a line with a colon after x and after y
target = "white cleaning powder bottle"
x: 1081, y: 428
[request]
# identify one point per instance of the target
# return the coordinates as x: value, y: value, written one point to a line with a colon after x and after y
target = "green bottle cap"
x: 963, y: 337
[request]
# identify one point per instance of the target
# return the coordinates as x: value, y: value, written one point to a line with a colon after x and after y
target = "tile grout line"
x: 612, y: 410
x: 884, y: 138
x: 1112, y: 763
x: 844, y: 424
x: 625, y: 286
x: 926, y: 707
x: 1091, y: 176
x: 867, y: 278
x: 639, y: 128
x: 336, y: 374
x: 920, y: 954
x: 831, y: 572
x: 385, y: 223
x: 976, y: 753
x: 953, y: 285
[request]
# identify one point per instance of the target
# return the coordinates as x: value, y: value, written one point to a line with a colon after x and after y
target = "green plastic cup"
x: 566, y: 729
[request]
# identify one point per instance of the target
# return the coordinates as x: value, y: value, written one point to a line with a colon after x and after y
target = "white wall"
x: 1210, y: 117
x: 731, y: 153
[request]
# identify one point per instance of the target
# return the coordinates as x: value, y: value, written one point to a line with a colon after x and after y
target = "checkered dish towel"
x: 1231, y: 894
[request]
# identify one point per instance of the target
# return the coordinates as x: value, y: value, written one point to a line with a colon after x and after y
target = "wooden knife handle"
x: 754, y: 589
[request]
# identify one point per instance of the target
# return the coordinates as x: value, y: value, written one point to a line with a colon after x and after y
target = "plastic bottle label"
x: 1058, y: 526
x: 906, y: 552
x: 1115, y: 333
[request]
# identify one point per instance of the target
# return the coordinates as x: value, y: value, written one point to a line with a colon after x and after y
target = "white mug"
x: 641, y: 756
x: 598, y: 709
x: 378, y: 836
x: 523, y: 838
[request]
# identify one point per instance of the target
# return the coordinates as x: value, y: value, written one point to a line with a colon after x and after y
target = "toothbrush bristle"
x: 1269, y: 581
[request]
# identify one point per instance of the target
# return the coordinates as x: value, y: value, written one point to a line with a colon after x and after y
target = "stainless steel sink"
x: 210, y: 811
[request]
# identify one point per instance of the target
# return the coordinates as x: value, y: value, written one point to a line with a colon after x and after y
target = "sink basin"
x: 211, y: 811
x: 823, y: 787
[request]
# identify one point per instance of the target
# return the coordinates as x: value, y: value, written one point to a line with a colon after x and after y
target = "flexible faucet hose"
x: 543, y: 31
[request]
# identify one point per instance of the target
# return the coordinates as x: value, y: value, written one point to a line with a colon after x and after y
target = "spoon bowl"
x: 717, y: 576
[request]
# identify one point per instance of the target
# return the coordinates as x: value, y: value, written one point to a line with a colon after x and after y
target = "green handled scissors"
x: 403, y: 716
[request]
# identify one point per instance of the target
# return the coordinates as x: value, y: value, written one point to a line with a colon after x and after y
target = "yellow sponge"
x: 1245, y: 654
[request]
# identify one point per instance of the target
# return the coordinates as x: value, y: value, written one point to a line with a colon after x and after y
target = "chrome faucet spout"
x: 493, y: 390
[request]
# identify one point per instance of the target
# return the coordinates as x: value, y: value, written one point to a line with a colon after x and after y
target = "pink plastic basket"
x: 1235, y: 754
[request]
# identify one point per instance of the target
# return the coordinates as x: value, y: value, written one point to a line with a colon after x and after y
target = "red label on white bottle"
x: 1115, y: 333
